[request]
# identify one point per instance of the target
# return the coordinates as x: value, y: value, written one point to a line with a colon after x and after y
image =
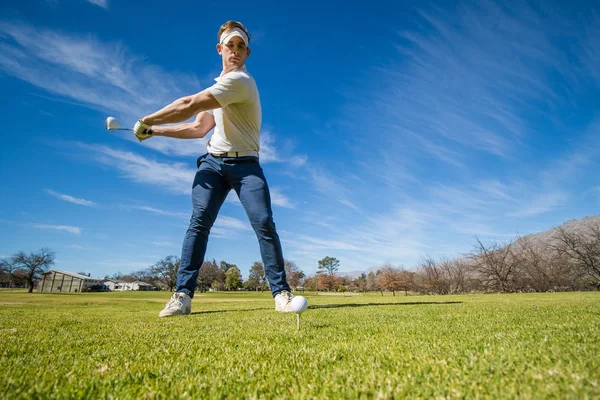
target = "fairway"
x: 234, y: 345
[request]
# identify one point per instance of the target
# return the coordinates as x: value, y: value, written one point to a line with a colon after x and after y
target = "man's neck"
x: 227, y: 70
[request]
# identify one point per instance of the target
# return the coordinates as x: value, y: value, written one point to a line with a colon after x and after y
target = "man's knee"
x: 263, y: 222
x: 200, y: 224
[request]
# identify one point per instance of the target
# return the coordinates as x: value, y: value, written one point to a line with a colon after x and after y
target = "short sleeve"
x: 230, y: 89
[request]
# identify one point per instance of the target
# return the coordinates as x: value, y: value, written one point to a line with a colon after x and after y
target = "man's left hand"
x: 142, y: 131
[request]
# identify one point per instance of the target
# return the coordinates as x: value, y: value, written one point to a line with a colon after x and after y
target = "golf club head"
x: 112, y: 124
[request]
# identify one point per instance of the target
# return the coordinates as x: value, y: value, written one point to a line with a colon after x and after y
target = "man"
x: 230, y: 163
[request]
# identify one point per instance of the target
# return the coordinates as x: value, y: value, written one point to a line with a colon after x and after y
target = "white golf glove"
x: 142, y: 131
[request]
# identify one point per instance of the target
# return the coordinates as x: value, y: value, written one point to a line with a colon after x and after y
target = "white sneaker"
x: 283, y: 301
x: 180, y: 304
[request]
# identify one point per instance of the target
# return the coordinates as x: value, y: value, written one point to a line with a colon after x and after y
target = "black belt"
x: 236, y: 154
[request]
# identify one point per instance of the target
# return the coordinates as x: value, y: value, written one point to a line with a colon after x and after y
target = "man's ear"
x: 248, y: 50
x: 219, y: 47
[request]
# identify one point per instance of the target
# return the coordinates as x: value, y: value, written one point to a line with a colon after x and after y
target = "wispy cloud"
x: 100, y: 3
x: 165, y: 243
x: 540, y: 204
x: 63, y: 228
x: 79, y: 247
x: 171, y: 177
x: 331, y: 186
x: 279, y: 199
x: 71, y: 199
x: 95, y: 74
x: 226, y: 227
x: 269, y: 153
x: 464, y: 82
x: 155, y: 210
x: 398, y: 234
x: 225, y: 222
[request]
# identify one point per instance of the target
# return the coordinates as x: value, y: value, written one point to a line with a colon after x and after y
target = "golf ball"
x: 299, y: 304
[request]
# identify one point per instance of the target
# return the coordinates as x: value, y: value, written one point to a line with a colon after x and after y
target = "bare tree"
x: 542, y: 267
x: 165, y: 271
x: 496, y: 266
x: 582, y: 248
x: 434, y: 278
x: 29, y: 267
x: 455, y: 272
x: 408, y: 278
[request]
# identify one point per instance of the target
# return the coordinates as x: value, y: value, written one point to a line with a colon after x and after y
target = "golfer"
x: 232, y: 107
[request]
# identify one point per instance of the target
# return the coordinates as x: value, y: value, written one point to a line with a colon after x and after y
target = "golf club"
x: 113, y: 125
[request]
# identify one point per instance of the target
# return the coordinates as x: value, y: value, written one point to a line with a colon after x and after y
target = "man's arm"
x: 182, y: 109
x: 198, y: 129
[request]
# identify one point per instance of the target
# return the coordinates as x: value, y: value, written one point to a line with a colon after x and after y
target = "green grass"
x: 234, y: 345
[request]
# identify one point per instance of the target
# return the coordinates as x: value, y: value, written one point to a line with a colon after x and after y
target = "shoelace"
x: 287, y: 296
x: 175, y: 300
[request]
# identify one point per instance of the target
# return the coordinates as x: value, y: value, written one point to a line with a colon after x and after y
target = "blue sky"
x: 390, y: 131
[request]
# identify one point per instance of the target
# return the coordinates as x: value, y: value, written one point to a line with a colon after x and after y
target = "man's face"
x: 234, y: 53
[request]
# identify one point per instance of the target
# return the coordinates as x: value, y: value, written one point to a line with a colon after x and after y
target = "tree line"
x: 212, y: 276
x: 565, y: 259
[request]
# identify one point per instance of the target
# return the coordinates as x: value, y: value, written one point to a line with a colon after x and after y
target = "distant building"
x: 64, y: 281
x: 122, y: 286
x: 113, y: 285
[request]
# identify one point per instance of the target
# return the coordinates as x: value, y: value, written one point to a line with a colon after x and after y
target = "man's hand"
x: 142, y: 131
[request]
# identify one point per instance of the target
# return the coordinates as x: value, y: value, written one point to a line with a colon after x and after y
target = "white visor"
x: 226, y: 36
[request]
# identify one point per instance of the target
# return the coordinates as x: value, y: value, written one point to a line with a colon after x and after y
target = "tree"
x: 434, y: 278
x: 390, y: 278
x: 224, y: 265
x: 582, y: 248
x: 310, y: 283
x: 543, y: 268
x: 233, y: 278
x: 496, y: 266
x: 5, y: 277
x: 326, y: 281
x: 326, y: 271
x: 360, y: 283
x: 293, y: 274
x: 256, y: 277
x: 29, y: 267
x: 372, y: 282
x: 329, y: 264
x: 209, y: 273
x: 165, y: 271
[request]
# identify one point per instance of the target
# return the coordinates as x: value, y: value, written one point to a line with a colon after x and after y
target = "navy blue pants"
x: 214, y: 179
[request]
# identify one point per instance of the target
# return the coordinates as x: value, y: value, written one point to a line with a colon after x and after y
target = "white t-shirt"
x: 238, y: 121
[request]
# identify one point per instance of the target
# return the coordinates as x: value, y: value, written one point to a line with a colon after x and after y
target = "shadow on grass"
x: 415, y: 303
x: 224, y: 311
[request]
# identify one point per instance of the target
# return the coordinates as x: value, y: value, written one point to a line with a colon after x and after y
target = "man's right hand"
x: 142, y: 131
